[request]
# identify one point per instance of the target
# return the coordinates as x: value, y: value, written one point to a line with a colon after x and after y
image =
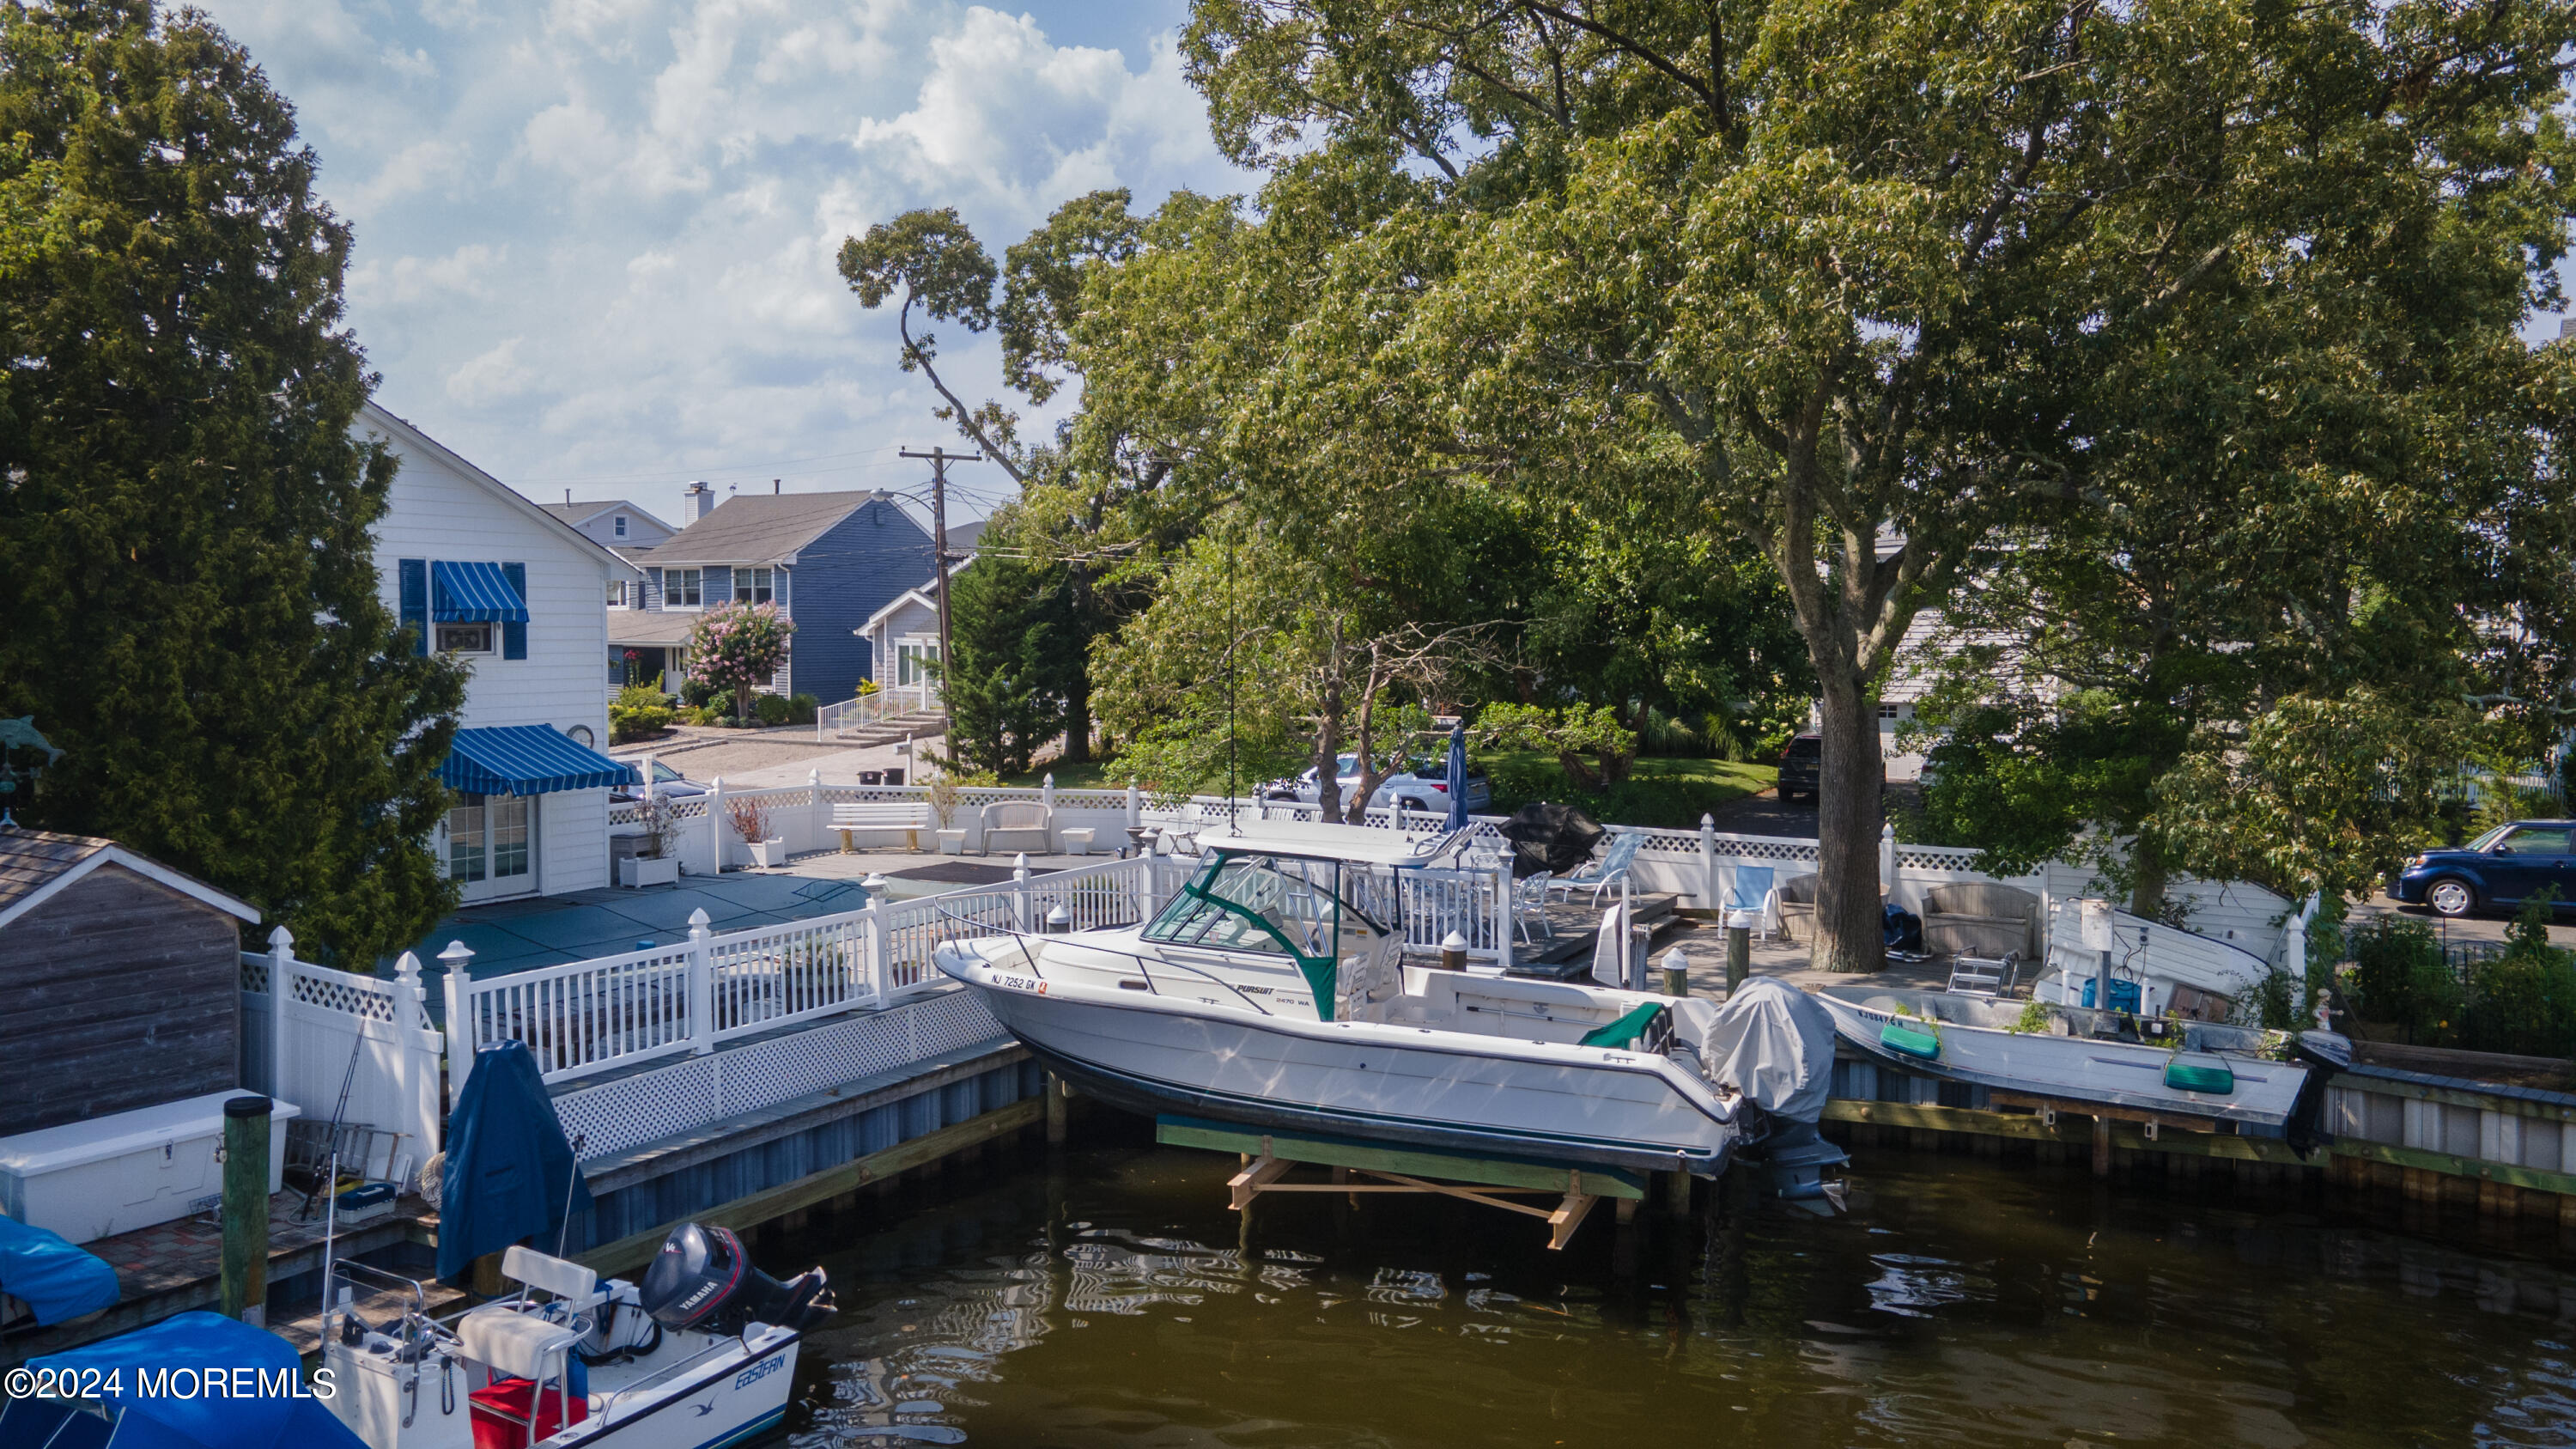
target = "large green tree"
x: 184, y: 554
x: 1853, y: 272
x: 1019, y: 654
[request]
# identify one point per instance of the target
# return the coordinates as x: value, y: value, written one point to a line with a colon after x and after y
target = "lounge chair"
x: 1608, y: 871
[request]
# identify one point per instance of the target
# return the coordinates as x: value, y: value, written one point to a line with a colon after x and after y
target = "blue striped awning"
x: 469, y: 593
x: 525, y: 760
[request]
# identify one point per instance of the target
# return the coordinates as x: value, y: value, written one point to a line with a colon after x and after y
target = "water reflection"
x: 1116, y: 1301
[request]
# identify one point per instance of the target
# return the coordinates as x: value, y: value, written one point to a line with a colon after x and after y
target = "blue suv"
x: 2504, y: 867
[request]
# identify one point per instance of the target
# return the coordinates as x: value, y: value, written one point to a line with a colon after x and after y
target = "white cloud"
x: 596, y: 238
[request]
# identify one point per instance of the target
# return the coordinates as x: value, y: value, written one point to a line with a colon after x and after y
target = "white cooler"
x: 109, y: 1175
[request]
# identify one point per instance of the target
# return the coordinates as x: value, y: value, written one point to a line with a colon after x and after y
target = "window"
x: 465, y: 840
x: 911, y: 660
x: 2527, y: 841
x: 681, y: 588
x: 465, y: 638
x: 487, y: 838
x: 751, y: 586
x: 1891, y: 711
x: 617, y: 593
x: 621, y: 525
x: 507, y: 817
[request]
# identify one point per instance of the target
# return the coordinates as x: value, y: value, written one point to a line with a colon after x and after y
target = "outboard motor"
x: 704, y: 1280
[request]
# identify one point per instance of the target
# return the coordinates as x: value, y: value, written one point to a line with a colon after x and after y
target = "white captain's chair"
x: 527, y: 1339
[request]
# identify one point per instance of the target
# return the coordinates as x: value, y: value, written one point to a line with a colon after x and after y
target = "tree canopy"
x: 184, y: 555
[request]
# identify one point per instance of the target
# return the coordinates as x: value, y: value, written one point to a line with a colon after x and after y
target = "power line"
x: 697, y: 471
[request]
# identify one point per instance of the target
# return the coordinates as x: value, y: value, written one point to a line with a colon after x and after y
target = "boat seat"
x: 1627, y: 1030
x: 523, y: 1344
x: 564, y: 1279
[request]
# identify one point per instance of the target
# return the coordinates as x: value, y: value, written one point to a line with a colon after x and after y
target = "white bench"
x: 907, y: 816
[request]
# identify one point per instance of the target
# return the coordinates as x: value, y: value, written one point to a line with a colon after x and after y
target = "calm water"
x: 1106, y: 1296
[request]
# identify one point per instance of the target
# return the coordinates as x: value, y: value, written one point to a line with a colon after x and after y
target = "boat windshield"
x: 1268, y: 905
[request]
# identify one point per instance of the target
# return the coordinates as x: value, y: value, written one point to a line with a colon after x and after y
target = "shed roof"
x: 759, y: 528
x: 35, y: 865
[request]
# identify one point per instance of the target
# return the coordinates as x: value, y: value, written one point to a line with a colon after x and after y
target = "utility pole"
x: 939, y: 459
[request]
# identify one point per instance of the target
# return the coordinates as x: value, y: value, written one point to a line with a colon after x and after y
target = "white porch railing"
x: 335, y: 1028
x: 843, y: 718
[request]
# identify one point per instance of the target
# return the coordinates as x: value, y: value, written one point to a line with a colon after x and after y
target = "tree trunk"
x: 2147, y: 892
x: 1077, y: 724
x: 1328, y: 750
x: 1848, y: 817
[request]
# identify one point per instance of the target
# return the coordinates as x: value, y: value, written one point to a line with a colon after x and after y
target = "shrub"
x: 638, y: 712
x: 801, y: 708
x: 772, y: 709
x: 2524, y: 1001
x: 739, y: 647
x: 695, y: 692
x: 750, y: 816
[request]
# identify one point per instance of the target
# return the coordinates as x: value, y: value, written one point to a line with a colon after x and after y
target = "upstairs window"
x: 681, y: 588
x: 475, y: 638
x: 752, y: 586
x: 621, y: 525
x: 617, y: 593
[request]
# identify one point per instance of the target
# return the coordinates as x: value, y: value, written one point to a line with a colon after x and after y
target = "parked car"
x: 1802, y: 766
x: 2504, y: 867
x: 666, y: 782
x: 1422, y: 785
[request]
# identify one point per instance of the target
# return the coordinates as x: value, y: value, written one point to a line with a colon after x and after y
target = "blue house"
x: 828, y: 560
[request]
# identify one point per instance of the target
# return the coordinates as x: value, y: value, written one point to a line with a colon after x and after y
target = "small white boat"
x: 1271, y: 991
x: 2248, y: 1077
x: 700, y: 1356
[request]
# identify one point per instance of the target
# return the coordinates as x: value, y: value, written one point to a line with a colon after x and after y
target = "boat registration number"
x: 1020, y: 983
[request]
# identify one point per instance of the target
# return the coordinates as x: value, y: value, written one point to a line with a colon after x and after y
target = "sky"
x: 595, y: 238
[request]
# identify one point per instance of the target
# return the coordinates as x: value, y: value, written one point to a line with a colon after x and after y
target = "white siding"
x: 439, y: 511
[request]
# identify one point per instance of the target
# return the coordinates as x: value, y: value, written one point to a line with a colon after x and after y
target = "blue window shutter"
x: 514, y: 637
x: 413, y: 586
x: 719, y: 589
x: 652, y: 588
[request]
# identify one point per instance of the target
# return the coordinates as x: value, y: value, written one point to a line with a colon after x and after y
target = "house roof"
x: 35, y: 865
x: 578, y: 514
x: 920, y: 594
x: 760, y: 528
x: 649, y: 626
x: 373, y: 415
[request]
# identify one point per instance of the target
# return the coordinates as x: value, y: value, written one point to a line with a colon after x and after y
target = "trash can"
x: 894, y: 775
x: 872, y: 777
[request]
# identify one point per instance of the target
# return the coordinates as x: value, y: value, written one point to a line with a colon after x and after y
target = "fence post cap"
x: 1707, y: 821
x: 1020, y: 863
x: 1453, y: 942
x: 1887, y: 832
x: 280, y: 939
x: 1059, y: 917
x: 1674, y: 960
x: 456, y: 955
x: 408, y: 968
x: 1049, y: 782
x: 698, y: 921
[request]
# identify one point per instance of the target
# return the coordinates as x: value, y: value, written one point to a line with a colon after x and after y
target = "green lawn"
x: 1662, y: 791
x: 1086, y: 776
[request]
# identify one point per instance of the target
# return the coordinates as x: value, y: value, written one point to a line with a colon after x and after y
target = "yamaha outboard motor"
x: 703, y: 1279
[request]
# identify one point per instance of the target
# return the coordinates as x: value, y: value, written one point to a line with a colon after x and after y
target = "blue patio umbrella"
x: 510, y: 1174
x: 1457, y: 781
x: 157, y: 1377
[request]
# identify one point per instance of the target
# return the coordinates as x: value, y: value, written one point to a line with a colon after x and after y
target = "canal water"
x: 1104, y: 1295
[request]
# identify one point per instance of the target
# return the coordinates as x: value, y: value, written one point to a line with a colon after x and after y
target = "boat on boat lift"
x: 1271, y: 991
x: 2265, y: 1083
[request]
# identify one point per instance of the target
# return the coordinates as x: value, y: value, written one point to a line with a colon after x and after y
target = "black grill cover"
x: 1551, y: 838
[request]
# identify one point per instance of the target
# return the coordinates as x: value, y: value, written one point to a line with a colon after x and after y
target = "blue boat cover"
x: 258, y: 1405
x: 51, y: 1276
x: 508, y: 1165
x: 467, y: 593
x: 525, y: 760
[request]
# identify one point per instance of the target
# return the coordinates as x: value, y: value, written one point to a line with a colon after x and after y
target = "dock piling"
x: 245, y: 1253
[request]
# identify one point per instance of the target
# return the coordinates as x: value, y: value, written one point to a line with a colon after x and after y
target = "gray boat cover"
x: 1770, y: 1041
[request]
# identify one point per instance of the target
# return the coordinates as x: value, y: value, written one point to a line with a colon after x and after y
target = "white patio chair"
x: 1608, y: 871
x: 1529, y: 906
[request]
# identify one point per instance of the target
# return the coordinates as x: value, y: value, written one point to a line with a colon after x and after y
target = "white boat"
x: 700, y: 1356
x: 2187, y: 1069
x: 1271, y: 991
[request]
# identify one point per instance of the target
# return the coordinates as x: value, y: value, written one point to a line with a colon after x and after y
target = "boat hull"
x: 1444, y: 1089
x: 2263, y: 1098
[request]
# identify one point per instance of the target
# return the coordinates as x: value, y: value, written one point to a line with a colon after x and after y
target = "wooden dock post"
x: 245, y: 1257
x: 1056, y: 1110
x: 2101, y: 1147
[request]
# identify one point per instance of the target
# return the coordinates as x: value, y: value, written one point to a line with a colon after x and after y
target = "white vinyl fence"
x: 367, y: 1033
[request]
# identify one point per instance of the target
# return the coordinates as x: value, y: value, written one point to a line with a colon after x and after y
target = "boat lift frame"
x: 1268, y: 1157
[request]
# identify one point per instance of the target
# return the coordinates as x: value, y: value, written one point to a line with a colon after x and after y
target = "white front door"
x: 489, y: 845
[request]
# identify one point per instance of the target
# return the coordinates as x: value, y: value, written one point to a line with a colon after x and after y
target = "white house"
x: 517, y: 593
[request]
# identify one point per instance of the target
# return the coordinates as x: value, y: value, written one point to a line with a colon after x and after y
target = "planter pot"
x: 771, y: 853
x: 952, y: 842
x: 648, y: 871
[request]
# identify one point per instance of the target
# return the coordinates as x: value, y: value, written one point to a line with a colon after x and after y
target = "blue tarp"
x: 525, y: 760
x: 508, y: 1164
x: 468, y: 593
x: 257, y: 1406
x: 51, y: 1276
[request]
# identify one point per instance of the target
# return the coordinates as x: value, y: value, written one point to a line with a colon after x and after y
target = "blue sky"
x: 595, y: 238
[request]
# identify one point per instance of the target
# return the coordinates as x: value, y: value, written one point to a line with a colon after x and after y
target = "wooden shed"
x: 120, y: 982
